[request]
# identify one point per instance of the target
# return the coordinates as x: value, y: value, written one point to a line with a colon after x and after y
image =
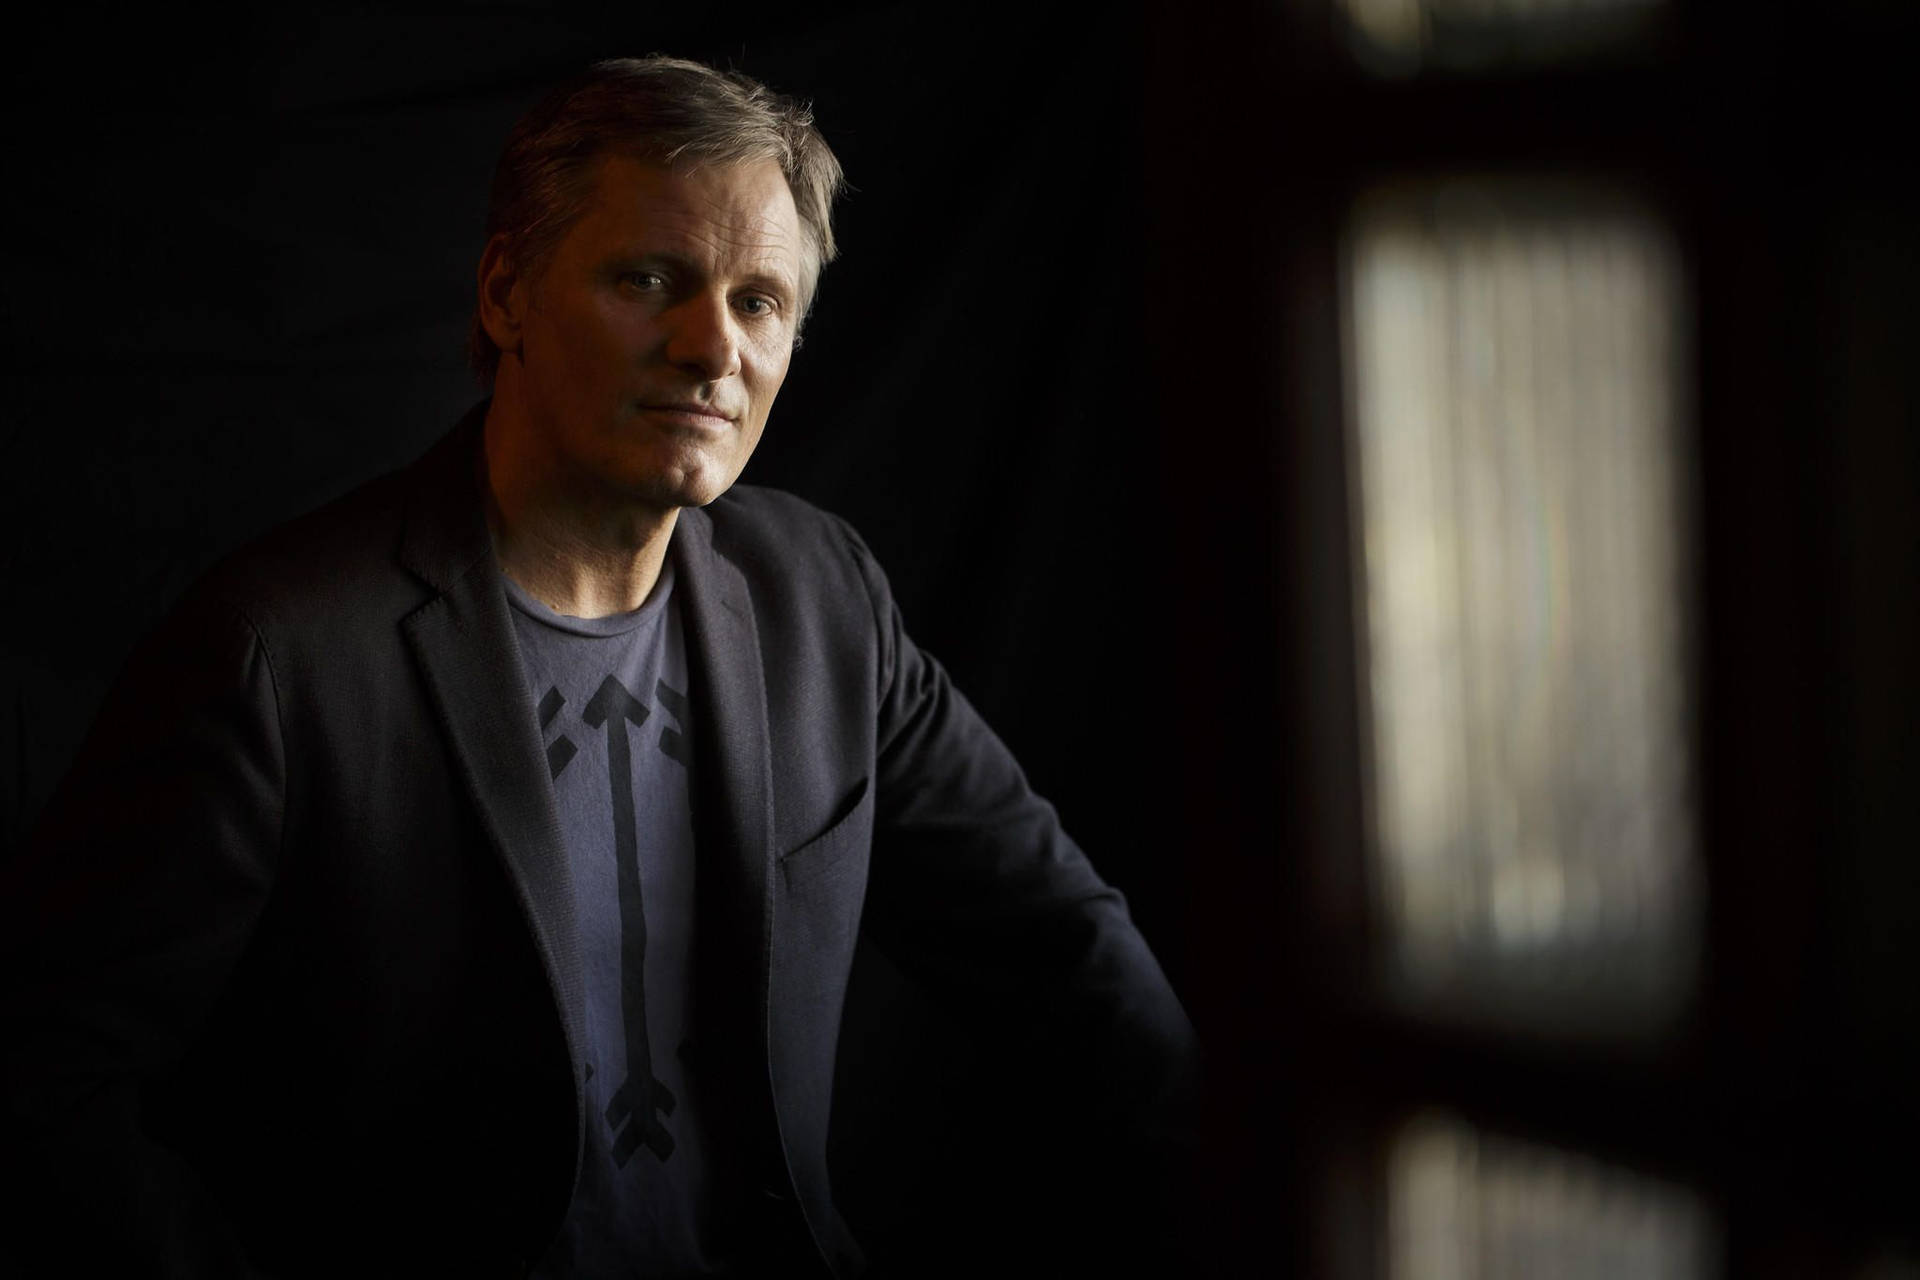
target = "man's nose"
x: 703, y: 337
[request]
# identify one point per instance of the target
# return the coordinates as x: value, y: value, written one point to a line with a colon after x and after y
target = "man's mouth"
x: 689, y: 413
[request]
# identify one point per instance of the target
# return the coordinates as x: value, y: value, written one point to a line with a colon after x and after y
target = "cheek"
x: 768, y: 370
x: 597, y: 334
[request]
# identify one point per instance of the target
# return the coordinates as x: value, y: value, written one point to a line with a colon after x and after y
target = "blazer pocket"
x: 849, y: 830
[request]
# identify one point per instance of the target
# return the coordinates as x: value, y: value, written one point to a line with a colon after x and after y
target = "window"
x: 1592, y: 594
x: 1515, y: 371
x: 1397, y: 37
x: 1461, y: 1205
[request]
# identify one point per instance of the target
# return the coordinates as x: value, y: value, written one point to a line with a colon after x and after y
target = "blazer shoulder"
x: 782, y: 531
x: 804, y: 567
x: 748, y: 509
x: 334, y: 562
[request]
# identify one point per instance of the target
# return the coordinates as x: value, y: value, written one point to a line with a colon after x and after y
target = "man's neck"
x: 574, y: 548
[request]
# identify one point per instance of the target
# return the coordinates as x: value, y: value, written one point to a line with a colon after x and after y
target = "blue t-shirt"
x: 611, y: 697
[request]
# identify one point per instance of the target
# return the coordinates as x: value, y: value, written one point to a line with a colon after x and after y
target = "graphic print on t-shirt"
x: 610, y: 697
x: 641, y: 1097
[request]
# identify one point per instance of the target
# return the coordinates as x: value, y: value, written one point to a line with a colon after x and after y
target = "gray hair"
x: 667, y: 110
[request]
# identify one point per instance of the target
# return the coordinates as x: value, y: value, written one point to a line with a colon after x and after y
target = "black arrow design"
x: 614, y: 707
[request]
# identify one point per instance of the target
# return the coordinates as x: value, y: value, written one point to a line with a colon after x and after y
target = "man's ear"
x: 503, y: 294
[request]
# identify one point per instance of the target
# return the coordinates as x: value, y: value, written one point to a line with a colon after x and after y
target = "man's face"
x: 656, y: 337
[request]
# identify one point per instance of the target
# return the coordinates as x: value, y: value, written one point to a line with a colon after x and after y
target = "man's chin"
x: 668, y: 470
x: 669, y: 493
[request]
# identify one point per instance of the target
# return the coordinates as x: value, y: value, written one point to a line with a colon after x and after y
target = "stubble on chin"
x: 646, y: 466
x: 679, y: 482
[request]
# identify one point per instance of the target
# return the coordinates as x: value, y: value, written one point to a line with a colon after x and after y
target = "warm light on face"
x: 658, y: 334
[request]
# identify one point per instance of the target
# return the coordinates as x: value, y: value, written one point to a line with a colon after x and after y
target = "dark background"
x: 1076, y: 378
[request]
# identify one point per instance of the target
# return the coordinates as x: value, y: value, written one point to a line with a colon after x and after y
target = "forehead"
x: 721, y: 216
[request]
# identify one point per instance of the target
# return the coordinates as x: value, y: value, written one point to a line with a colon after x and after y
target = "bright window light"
x: 1517, y: 385
x: 1461, y: 1206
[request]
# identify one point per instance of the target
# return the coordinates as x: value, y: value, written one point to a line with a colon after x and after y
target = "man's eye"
x: 644, y: 280
x: 755, y: 305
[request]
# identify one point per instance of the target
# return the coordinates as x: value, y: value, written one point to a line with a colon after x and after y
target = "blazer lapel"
x: 737, y: 878
x: 463, y: 641
x: 735, y: 817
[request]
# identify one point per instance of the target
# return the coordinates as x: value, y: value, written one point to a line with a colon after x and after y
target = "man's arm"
x: 120, y: 925
x: 977, y: 891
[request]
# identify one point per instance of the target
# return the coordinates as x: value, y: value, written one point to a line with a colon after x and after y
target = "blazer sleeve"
x: 976, y: 890
x: 121, y: 923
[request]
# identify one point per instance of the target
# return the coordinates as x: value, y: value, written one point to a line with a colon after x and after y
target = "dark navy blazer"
x: 292, y: 985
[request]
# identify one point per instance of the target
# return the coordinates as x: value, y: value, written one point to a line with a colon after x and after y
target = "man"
x: 466, y: 879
